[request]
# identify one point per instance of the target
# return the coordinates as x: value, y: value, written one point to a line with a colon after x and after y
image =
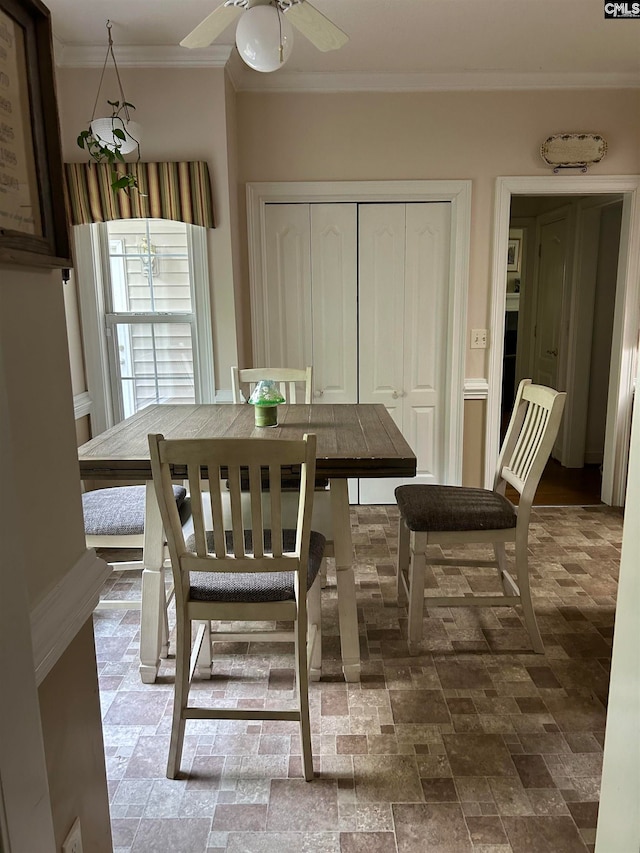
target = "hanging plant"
x: 109, y: 138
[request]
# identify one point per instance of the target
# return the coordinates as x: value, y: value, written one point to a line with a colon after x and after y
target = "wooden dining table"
x: 353, y: 440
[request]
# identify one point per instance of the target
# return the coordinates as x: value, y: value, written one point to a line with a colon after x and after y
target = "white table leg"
x: 152, y: 613
x: 343, y: 550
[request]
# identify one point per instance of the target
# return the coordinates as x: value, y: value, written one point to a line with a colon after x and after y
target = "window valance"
x: 180, y: 190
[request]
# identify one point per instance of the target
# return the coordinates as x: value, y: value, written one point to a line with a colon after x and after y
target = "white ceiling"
x: 401, y: 44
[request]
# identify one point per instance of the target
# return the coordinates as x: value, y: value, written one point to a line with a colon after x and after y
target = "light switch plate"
x: 478, y: 338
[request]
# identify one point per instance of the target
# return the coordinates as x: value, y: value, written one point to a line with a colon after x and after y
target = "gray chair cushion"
x: 449, y: 508
x: 254, y: 586
x: 118, y: 511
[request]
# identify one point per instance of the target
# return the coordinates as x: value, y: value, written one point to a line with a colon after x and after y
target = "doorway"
x: 561, y: 284
x: 624, y: 348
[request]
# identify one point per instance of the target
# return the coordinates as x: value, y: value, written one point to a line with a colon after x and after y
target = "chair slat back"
x: 295, y: 384
x: 529, y: 439
x: 210, y: 465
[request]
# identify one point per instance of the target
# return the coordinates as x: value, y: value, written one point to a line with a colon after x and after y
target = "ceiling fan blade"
x: 315, y: 26
x: 211, y: 27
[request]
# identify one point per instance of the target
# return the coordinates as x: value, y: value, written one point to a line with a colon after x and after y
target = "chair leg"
x: 501, y: 559
x: 417, y: 561
x: 522, y: 570
x: 303, y: 693
x: 203, y: 667
x: 180, y: 695
x: 164, y: 641
x: 314, y: 608
x: 402, y: 567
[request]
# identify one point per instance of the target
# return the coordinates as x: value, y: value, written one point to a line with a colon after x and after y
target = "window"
x: 148, y: 301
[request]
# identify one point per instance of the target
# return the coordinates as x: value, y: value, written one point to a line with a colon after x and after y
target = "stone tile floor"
x: 477, y: 745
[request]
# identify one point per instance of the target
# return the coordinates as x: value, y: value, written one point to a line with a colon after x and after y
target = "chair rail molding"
x: 476, y: 389
x: 56, y: 619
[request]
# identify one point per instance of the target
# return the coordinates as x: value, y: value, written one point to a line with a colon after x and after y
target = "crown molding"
x: 246, y: 80
x: 142, y: 56
x: 292, y: 81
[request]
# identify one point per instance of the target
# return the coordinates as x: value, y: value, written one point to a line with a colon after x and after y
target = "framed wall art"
x: 33, y: 221
x: 513, y: 254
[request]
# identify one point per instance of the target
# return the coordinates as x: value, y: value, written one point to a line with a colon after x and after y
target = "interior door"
x: 550, y: 287
x: 403, y: 287
x: 425, y: 342
x: 286, y: 309
x: 381, y: 253
x: 334, y: 302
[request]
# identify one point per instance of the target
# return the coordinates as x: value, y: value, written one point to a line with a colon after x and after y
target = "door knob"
x: 318, y: 393
x: 552, y: 352
x: 396, y: 394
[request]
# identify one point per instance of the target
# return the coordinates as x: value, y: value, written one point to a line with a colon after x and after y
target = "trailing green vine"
x: 111, y: 153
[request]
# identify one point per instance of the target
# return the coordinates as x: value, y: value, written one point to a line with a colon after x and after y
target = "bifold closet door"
x: 334, y: 301
x: 284, y: 334
x: 308, y: 310
x: 403, y: 303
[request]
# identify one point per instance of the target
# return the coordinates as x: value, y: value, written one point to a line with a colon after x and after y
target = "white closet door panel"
x: 381, y: 305
x: 422, y: 434
x: 287, y: 326
x: 425, y: 324
x: 334, y: 299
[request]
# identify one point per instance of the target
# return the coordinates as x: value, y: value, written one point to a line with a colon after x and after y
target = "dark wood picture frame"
x: 31, y: 141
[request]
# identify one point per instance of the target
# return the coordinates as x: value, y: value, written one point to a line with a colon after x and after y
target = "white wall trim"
x: 82, y: 405
x: 246, y: 80
x: 458, y: 194
x: 476, y: 389
x: 618, y: 829
x: 623, y: 361
x: 143, y: 56
x: 291, y: 81
x: 56, y: 619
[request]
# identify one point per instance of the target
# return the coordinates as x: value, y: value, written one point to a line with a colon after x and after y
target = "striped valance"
x: 179, y: 191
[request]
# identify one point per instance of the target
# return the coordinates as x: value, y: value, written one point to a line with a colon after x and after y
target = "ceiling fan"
x: 264, y: 35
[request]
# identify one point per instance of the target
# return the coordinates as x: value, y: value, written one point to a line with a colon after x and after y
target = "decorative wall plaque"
x: 573, y: 150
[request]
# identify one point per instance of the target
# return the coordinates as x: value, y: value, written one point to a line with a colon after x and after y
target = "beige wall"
x: 249, y: 136
x: 74, y: 751
x: 48, y: 535
x: 42, y: 425
x: 455, y: 135
x: 183, y: 113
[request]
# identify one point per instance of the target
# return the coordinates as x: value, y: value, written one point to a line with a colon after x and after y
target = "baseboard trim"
x: 56, y: 620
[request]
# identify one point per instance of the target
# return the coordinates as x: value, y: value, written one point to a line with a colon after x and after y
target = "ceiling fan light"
x: 261, y: 33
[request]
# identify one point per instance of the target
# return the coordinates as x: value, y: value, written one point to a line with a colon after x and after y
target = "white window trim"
x: 88, y: 246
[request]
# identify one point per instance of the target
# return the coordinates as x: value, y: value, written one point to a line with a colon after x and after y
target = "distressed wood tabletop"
x: 353, y: 440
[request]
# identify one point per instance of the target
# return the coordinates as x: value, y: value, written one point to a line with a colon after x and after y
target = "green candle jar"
x: 265, y: 399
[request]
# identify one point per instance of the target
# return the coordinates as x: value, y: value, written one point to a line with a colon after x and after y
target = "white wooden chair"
x: 114, y: 519
x: 246, y: 573
x: 452, y: 515
x: 290, y: 379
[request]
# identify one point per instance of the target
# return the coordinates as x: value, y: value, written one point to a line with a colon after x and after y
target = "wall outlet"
x: 478, y: 338
x: 73, y: 841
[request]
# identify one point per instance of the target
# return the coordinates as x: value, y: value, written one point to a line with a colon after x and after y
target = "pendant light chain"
x: 110, y: 52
